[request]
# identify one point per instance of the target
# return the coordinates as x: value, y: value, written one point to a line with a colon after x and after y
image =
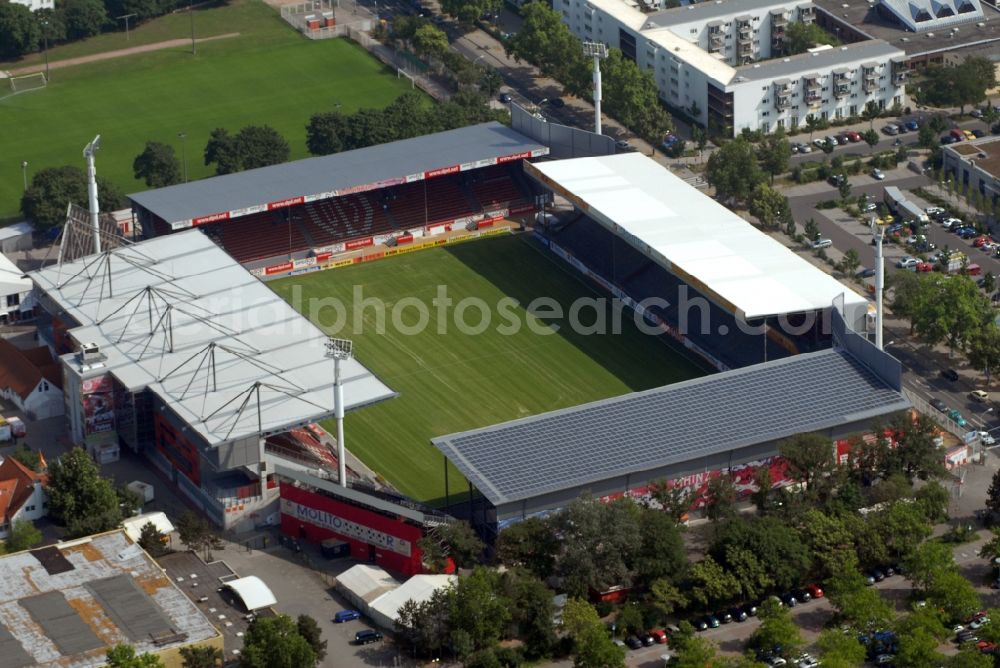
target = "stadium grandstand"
x: 684, y: 434
x: 285, y: 217
x: 726, y: 290
x: 171, y: 349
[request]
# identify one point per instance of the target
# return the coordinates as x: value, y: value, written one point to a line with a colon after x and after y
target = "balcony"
x: 779, y: 20
x: 813, y: 98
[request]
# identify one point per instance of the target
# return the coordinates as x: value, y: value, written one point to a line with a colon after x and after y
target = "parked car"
x: 622, y: 145
x: 822, y: 243
x: 815, y: 591
x: 700, y: 624
x: 647, y: 639
x: 977, y: 624
x: 934, y: 211
x: 819, y: 142
x: 802, y: 595
x: 853, y: 136
x: 788, y: 599
x: 949, y: 223
x: 505, y: 98
x: 978, y: 132
x: 877, y: 174
x: 966, y: 232
x: 969, y: 134
x: 877, y: 574
x: 949, y: 374
x: 986, y: 438
x: 891, y: 129
x: 939, y: 405
x: 739, y: 614
x: 713, y: 621
x: 924, y: 267
x: 807, y: 661
x: 948, y: 139
x: 884, y: 659
x: 979, y: 395
x: 869, y: 207
x: 659, y: 635
x: 956, y: 417
x: 907, y: 262
x: 366, y: 636
x: 633, y: 642
x: 912, y: 125
x: 805, y: 148
x: 986, y: 647
x: 837, y: 179
x: 346, y: 616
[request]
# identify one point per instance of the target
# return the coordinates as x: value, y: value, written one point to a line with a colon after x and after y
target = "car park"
x: 346, y: 616
x: 877, y: 174
x: 366, y: 636
x: 633, y: 642
x: 939, y: 405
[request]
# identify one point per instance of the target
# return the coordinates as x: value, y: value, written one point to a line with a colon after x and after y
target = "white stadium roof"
x: 178, y: 315
x: 253, y: 592
x: 694, y: 237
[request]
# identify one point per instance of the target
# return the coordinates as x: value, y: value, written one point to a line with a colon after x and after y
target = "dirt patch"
x: 120, y: 53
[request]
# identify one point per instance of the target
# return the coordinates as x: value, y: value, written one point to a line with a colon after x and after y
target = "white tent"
x: 253, y: 592
x: 383, y: 610
x: 133, y: 525
x: 362, y: 584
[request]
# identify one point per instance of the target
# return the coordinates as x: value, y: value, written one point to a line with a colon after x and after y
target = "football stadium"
x: 722, y: 341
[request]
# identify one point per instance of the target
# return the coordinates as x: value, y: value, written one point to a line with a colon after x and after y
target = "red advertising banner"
x: 523, y: 208
x: 278, y: 268
x: 359, y: 243
x: 282, y: 204
x: 404, y: 239
x: 511, y: 158
x: 488, y: 222
x: 323, y: 256
x: 214, y: 218
x: 99, y: 384
x: 454, y: 169
x: 98, y: 399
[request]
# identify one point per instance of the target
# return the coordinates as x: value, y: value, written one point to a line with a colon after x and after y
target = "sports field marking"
x: 120, y: 53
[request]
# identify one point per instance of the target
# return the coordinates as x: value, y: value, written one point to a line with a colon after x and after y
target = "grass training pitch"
x: 269, y: 74
x: 453, y: 381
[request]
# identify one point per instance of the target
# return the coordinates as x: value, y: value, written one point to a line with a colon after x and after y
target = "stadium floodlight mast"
x: 598, y: 52
x: 877, y: 226
x: 88, y: 153
x: 339, y: 350
x: 184, y: 158
x: 24, y: 173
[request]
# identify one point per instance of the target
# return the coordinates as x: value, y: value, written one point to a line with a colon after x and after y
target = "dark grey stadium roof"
x: 649, y: 430
x: 324, y: 174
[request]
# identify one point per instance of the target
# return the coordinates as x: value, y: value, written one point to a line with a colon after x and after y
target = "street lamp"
x: 183, y: 137
x: 24, y: 173
x: 339, y: 350
x: 45, y: 36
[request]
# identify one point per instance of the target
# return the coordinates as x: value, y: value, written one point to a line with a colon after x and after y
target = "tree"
x: 261, y: 146
x: 157, y: 165
x: 52, y: 188
x: 859, y: 606
x: 531, y: 610
x: 918, y: 649
x: 309, y: 629
x: 926, y: 137
x: 769, y: 206
x: 776, y: 629
x: 674, y: 500
x: 548, y: 43
x: 325, y: 132
x: 666, y: 597
x: 844, y: 189
x: 661, y: 552
x: 469, y: 11
x: 592, y: 646
x: 809, y: 456
x: 530, y: 543
x: 776, y: 545
x: 733, y: 170
x: 902, y: 527
x: 970, y: 657
x: 30, y: 458
x: 870, y: 113
x: 933, y: 499
x: 984, y: 349
x: 774, y: 152
x: 583, y: 525
x: 800, y: 37
x: 993, y: 496
x: 223, y: 150
x: 124, y: 656
x: 152, y: 540
x: 201, y: 656
x: 851, y: 261
x: 430, y: 41
x: 696, y: 653
x: 711, y: 583
x: 274, y: 642
x: 870, y: 137
x: 811, y: 230
x: 194, y: 531
x: 477, y: 609
x: 958, y: 85
x: 950, y: 310
x: 84, y: 18
x: 954, y: 594
x: 456, y: 540
x: 79, y: 498
x: 490, y: 81
x: 837, y: 648
x: 632, y: 97
x: 829, y: 540
x: 721, y: 497
x: 916, y: 454
x: 928, y: 560
x: 23, y: 536
x: 20, y: 33
x: 812, y: 124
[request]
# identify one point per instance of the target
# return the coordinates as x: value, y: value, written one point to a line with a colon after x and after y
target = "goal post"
x: 27, y: 82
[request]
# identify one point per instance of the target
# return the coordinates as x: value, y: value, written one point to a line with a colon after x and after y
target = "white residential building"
x: 16, y: 302
x: 721, y: 61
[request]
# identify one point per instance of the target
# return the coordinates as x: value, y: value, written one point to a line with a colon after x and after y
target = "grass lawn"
x: 269, y: 75
x: 453, y: 381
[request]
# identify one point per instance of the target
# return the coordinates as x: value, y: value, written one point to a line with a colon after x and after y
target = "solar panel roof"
x: 178, y: 315
x: 649, y: 430
x: 327, y: 173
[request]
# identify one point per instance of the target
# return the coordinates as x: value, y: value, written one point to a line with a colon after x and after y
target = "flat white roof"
x: 178, y: 315
x: 11, y: 281
x: 253, y: 592
x: 691, y: 55
x: 16, y: 230
x: 132, y: 526
x: 693, y: 236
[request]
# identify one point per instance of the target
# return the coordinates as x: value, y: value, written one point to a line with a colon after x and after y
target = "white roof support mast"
x: 88, y: 153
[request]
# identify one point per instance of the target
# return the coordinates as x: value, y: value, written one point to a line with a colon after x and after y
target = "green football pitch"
x: 454, y: 381
x: 269, y: 74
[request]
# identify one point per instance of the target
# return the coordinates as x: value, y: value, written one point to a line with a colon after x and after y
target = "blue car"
x: 957, y: 417
x: 966, y: 232
x: 912, y: 126
x: 346, y: 616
